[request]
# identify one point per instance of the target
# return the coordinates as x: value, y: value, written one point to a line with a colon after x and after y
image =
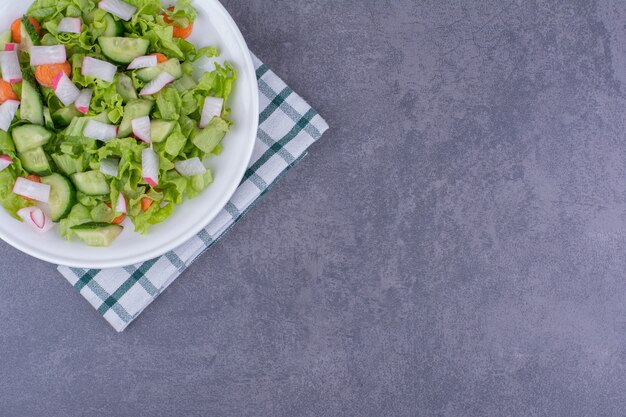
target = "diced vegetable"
x: 35, y: 161
x: 70, y: 25
x: 27, y: 137
x: 83, y: 100
x: 150, y: 166
x: 46, y: 73
x: 212, y: 108
x: 31, y: 107
x: 123, y: 50
x: 157, y: 84
x: 144, y: 61
x: 36, y: 218
x: 141, y: 128
x: 65, y: 89
x: 91, y: 183
x: 118, y: 8
x: 121, y: 207
x: 62, y: 196
x: 98, y: 68
x: 110, y: 166
x: 5, y: 162
x: 190, y: 167
x: 125, y: 88
x: 33, y: 190
x: 100, y: 131
x: 46, y: 55
x: 7, y: 113
x: 97, y: 234
x: 10, y: 65
x: 161, y: 129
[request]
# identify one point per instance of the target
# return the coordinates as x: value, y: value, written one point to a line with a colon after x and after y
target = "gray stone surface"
x: 454, y: 246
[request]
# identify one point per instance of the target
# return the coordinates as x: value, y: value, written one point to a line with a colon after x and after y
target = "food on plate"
x: 102, y: 123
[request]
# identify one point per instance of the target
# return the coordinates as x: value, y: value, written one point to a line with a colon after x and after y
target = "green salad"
x: 102, y: 124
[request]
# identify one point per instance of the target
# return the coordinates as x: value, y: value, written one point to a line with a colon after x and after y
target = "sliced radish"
x: 5, y: 161
x: 98, y: 68
x: 36, y: 218
x: 110, y: 166
x: 157, y: 84
x: 70, y: 25
x: 10, y: 47
x: 45, y: 55
x: 150, y: 166
x: 190, y: 167
x: 100, y: 131
x: 64, y: 88
x: 7, y: 113
x: 32, y: 189
x: 120, y: 207
x: 118, y: 8
x: 145, y: 61
x: 11, y: 71
x: 141, y: 128
x: 212, y: 108
x: 83, y: 100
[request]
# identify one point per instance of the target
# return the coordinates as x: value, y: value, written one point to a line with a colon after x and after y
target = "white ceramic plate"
x: 213, y: 26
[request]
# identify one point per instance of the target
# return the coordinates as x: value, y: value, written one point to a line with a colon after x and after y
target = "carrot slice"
x: 6, y: 92
x: 16, y: 26
x: 179, y: 31
x: 45, y: 73
x: 146, y: 203
x: 160, y: 57
x: 119, y: 219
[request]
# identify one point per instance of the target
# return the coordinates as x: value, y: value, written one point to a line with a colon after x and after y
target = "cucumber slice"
x: 31, y: 108
x: 125, y: 87
x: 209, y: 137
x: 123, y: 50
x: 62, y: 196
x: 91, y: 183
x: 185, y: 83
x: 47, y: 119
x: 97, y: 234
x: 28, y: 34
x: 5, y: 38
x: 63, y: 117
x: 133, y: 110
x: 68, y: 164
x: 35, y: 161
x: 114, y: 27
x: 27, y: 137
x: 160, y: 130
x: 171, y: 65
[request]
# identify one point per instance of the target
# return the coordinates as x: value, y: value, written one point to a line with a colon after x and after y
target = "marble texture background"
x: 453, y: 246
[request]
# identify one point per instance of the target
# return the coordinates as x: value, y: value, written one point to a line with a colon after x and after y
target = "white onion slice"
x: 150, y: 166
x: 98, y: 68
x: 120, y: 207
x: 156, y: 85
x: 70, y: 25
x: 32, y: 189
x: 11, y: 71
x: 141, y: 128
x: 145, y: 61
x: 5, y: 162
x: 190, y: 167
x: 212, y: 108
x: 100, y: 131
x: 45, y: 55
x: 118, y: 8
x: 83, y: 100
x: 7, y: 113
x: 64, y: 88
x: 36, y: 218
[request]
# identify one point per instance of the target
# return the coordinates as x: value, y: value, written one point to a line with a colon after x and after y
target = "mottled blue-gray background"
x: 454, y: 245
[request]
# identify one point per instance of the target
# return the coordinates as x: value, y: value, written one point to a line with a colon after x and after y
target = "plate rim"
x: 248, y: 67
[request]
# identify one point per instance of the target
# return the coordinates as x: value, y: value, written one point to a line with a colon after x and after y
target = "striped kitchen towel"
x: 287, y: 127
